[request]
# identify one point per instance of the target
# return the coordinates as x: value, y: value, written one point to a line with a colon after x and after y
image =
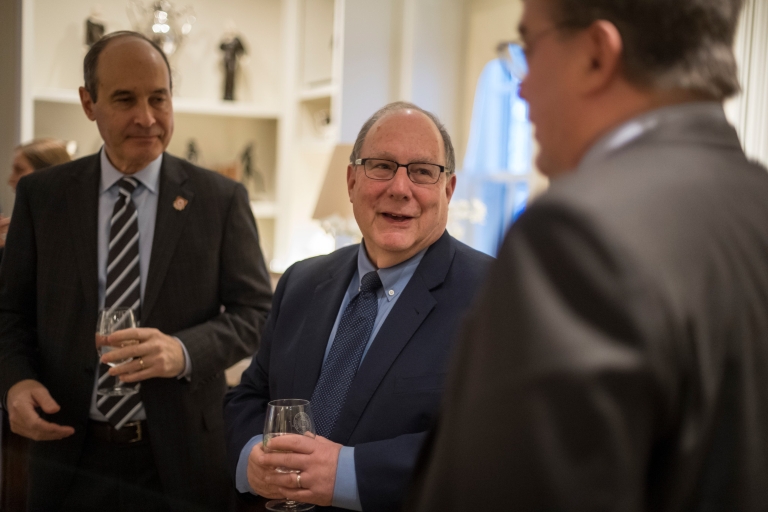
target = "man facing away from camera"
x: 365, y: 332
x: 134, y: 227
x: 618, y: 359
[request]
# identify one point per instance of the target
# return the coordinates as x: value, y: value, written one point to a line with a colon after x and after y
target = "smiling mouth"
x: 396, y: 218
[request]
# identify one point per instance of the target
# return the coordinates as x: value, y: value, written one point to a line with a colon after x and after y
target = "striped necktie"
x: 340, y: 367
x: 123, y: 290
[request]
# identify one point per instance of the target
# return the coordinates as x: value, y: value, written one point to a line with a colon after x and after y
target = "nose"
x: 523, y: 89
x: 400, y: 185
x: 144, y: 114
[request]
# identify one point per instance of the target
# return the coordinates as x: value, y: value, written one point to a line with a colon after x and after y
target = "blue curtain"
x: 497, y: 165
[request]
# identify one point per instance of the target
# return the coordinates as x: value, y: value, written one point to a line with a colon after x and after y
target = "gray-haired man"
x: 619, y: 358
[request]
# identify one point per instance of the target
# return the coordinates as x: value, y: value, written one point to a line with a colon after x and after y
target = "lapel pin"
x: 180, y: 203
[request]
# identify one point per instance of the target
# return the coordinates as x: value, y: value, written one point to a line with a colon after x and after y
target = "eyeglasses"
x: 520, y: 51
x: 418, y: 172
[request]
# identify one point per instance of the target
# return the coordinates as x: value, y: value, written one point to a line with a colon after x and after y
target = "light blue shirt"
x: 394, y: 280
x: 145, y: 199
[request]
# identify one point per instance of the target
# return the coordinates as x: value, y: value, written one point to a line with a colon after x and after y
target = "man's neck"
x: 127, y: 168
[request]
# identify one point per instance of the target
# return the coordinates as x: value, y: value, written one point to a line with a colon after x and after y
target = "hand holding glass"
x: 288, y: 417
x: 112, y: 320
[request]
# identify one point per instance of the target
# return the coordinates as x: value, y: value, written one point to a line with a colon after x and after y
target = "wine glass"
x: 288, y: 417
x: 112, y: 320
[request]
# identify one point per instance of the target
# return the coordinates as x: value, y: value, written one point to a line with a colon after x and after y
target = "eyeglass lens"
x: 420, y: 173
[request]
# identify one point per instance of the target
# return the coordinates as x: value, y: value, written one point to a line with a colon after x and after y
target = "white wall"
x: 59, y: 28
x: 10, y: 67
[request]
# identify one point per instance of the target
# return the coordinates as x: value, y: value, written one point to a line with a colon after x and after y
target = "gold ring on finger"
x: 141, y: 362
x: 298, y: 480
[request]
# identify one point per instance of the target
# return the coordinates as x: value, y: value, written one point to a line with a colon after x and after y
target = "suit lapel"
x: 169, y: 225
x: 83, y: 208
x: 410, y: 311
x: 326, y: 299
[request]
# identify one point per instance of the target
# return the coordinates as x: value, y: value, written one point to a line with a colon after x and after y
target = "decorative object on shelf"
x: 192, y: 152
x: 163, y: 23
x: 231, y: 170
x: 94, y: 26
x: 233, y: 49
x: 322, y: 122
x: 250, y: 171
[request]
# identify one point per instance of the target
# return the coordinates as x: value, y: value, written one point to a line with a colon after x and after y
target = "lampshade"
x: 334, y: 199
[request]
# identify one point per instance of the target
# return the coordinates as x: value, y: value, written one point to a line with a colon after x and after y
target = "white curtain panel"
x: 749, y: 111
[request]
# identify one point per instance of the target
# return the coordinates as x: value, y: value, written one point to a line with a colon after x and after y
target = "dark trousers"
x: 14, y: 452
x: 116, y: 477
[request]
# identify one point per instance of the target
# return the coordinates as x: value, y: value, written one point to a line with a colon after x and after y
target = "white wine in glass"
x: 112, y: 320
x: 284, y: 418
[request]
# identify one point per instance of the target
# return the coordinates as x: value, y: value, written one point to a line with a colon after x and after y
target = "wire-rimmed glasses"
x: 421, y: 173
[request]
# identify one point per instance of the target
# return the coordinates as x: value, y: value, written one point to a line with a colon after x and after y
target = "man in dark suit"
x: 618, y: 359
x: 374, y: 402
x: 130, y: 226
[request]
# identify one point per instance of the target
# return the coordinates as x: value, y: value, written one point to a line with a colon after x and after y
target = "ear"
x: 450, y: 186
x: 604, y: 49
x: 87, y: 103
x: 351, y: 178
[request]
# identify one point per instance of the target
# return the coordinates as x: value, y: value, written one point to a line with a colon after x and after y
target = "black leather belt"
x: 131, y: 432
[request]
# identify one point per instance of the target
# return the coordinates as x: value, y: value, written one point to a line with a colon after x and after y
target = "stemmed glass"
x: 112, y: 320
x: 288, y: 417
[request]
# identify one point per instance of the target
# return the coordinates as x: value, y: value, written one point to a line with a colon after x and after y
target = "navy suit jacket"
x: 396, y: 392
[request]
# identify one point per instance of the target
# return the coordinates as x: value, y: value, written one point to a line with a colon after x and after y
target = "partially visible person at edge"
x: 28, y: 158
x: 618, y: 357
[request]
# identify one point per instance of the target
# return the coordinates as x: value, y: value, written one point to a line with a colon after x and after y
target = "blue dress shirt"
x: 394, y: 280
x: 145, y: 199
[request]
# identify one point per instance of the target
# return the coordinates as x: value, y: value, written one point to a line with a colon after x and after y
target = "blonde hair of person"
x: 42, y: 153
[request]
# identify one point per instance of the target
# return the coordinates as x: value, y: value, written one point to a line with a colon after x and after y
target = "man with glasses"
x: 618, y: 359
x: 364, y: 333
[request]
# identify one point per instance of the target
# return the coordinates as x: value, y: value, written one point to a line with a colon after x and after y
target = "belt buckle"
x: 137, y: 426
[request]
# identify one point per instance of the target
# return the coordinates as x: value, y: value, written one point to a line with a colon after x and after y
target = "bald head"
x: 92, y: 58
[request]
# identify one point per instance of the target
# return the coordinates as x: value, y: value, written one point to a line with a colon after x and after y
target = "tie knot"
x: 128, y: 185
x: 370, y: 282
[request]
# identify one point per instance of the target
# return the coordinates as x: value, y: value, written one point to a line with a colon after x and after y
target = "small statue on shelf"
x: 233, y: 49
x: 94, y: 27
x: 192, y: 153
x: 250, y: 171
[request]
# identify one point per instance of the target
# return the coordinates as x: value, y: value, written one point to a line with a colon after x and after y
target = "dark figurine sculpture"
x: 94, y: 30
x: 249, y: 170
x: 233, y: 48
x: 192, y: 153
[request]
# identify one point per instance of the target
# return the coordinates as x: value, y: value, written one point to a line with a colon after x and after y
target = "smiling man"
x: 131, y: 226
x: 365, y: 332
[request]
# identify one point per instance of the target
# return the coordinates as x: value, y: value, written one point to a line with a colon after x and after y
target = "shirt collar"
x: 148, y: 176
x: 644, y: 123
x: 393, y: 279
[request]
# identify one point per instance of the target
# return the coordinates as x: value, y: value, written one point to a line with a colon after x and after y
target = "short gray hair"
x: 679, y: 44
x: 450, y: 155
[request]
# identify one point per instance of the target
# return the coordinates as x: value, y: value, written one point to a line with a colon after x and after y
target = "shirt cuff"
x: 345, y: 489
x: 241, y: 473
x: 187, y: 373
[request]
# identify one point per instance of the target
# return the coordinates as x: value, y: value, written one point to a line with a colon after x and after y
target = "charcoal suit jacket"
x: 207, y: 285
x: 618, y: 356
x: 396, y: 391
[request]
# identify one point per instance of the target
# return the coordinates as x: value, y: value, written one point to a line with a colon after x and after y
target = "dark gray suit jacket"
x: 396, y: 392
x: 618, y: 356
x: 207, y: 284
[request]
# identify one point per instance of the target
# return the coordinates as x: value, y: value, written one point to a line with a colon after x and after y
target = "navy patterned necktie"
x: 123, y: 289
x: 344, y: 357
